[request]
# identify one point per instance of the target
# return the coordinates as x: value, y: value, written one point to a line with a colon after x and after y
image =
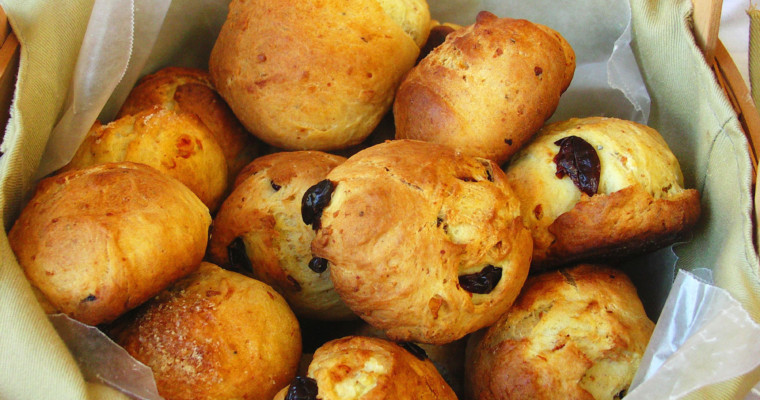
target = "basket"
x: 705, y: 29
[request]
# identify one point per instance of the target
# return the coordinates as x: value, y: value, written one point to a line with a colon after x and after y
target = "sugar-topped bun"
x: 215, y: 334
x: 310, y: 75
x: 98, y: 241
x: 577, y: 333
x: 364, y: 368
x: 422, y: 242
x: 260, y: 226
x: 487, y: 88
x: 190, y: 90
x: 629, y: 196
x: 177, y: 144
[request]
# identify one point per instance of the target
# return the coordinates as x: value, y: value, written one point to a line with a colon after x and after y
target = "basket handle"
x: 707, y: 24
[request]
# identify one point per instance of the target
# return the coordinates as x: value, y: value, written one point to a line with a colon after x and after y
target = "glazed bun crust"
x: 215, y: 334
x: 640, y: 204
x: 576, y: 333
x: 311, y: 75
x: 81, y: 239
x: 177, y: 144
x: 264, y: 212
x: 405, y: 221
x: 190, y: 90
x: 487, y: 88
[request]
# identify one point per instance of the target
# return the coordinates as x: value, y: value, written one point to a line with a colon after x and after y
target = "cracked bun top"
x: 422, y: 242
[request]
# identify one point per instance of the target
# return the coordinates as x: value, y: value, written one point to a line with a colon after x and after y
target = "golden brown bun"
x: 640, y: 205
x: 406, y: 221
x: 177, y: 144
x: 215, y: 335
x: 487, y: 89
x: 311, y: 75
x: 264, y: 212
x: 413, y: 16
x: 448, y: 358
x: 578, y: 333
x: 364, y: 368
x: 190, y: 90
x: 99, y: 241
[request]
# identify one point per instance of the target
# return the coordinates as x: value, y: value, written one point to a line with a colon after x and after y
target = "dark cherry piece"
x: 318, y: 265
x: 275, y: 186
x: 314, y: 201
x: 237, y: 254
x: 416, y: 350
x: 578, y: 160
x: 302, y: 388
x: 482, y: 282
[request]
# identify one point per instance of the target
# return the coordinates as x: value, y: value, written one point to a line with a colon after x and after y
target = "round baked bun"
x: 311, y: 75
x: 364, y: 368
x: 190, y: 90
x: 448, y: 358
x: 577, y: 333
x: 422, y: 242
x: 259, y: 225
x: 215, y: 334
x: 101, y: 240
x: 629, y: 196
x: 177, y: 144
x: 487, y: 88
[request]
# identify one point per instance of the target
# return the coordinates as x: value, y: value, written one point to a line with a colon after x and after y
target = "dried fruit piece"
x: 482, y: 282
x: 578, y: 160
x: 302, y: 388
x: 314, y: 201
x: 416, y: 350
x: 318, y: 264
x: 237, y: 254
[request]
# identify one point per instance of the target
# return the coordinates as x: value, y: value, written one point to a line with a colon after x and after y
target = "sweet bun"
x: 215, y: 334
x: 177, y: 144
x: 422, y: 242
x: 638, y: 204
x: 99, y: 241
x: 364, y: 368
x: 315, y: 75
x: 259, y: 225
x: 487, y: 88
x: 190, y: 90
x: 578, y: 333
x: 448, y: 358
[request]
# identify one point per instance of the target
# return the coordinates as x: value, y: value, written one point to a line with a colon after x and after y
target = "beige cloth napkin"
x: 687, y: 106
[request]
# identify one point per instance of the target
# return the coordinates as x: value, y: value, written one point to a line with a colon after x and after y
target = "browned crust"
x: 190, y: 90
x: 562, y: 325
x: 305, y: 75
x: 215, y: 335
x: 629, y: 221
x: 487, y: 89
x: 405, y: 220
x: 99, y: 241
x: 404, y: 376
